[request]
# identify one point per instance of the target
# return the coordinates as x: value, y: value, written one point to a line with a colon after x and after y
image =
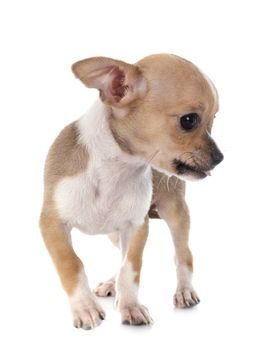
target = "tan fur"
x: 168, y: 203
x: 146, y: 102
x: 90, y: 71
x: 124, y: 144
x: 166, y: 100
x: 73, y: 155
x: 169, y: 199
x: 56, y: 238
x: 136, y: 247
x: 65, y: 158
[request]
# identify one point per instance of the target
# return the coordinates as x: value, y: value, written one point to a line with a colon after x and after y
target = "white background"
x: 230, y: 234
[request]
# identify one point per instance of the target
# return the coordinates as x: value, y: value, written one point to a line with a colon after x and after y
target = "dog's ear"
x: 119, y: 83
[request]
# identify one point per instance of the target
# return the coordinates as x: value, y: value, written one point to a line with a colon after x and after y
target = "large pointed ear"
x: 119, y: 83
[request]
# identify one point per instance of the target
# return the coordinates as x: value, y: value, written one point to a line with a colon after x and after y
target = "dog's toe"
x: 106, y: 289
x: 136, y: 315
x: 185, y: 298
x: 87, y: 314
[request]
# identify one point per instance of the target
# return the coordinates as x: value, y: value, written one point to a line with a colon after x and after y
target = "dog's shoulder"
x: 67, y: 155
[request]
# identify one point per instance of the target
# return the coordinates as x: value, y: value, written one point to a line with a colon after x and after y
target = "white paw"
x: 87, y: 314
x: 106, y: 289
x: 185, y: 297
x: 136, y: 315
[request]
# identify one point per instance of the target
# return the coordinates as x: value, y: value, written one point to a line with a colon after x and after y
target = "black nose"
x: 217, y: 156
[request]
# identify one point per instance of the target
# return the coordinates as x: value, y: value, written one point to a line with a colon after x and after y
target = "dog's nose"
x: 217, y: 157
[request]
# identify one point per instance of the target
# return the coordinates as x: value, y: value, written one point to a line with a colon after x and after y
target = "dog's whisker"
x: 152, y: 157
x: 187, y: 160
x: 161, y: 180
x: 188, y: 152
x: 167, y: 184
x: 176, y: 183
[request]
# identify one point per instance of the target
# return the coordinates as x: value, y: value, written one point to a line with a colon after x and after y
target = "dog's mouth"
x: 184, y: 169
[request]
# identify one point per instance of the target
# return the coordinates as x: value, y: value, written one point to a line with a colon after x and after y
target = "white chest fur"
x: 114, y: 193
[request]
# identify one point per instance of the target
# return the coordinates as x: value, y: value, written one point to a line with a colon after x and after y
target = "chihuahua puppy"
x: 121, y: 162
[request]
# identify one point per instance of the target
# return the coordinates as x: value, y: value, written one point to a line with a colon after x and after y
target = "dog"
x: 122, y: 162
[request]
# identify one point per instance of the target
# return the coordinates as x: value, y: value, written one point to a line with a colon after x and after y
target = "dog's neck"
x: 115, y: 188
x: 101, y: 140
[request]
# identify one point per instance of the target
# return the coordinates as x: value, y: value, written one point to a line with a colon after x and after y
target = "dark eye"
x: 189, y: 121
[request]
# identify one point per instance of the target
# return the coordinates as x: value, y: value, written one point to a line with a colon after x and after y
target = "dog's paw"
x: 106, y: 289
x: 87, y: 314
x: 135, y: 315
x: 185, y: 297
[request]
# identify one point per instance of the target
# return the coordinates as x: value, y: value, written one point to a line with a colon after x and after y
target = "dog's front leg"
x: 173, y: 209
x: 86, y: 311
x: 132, y: 247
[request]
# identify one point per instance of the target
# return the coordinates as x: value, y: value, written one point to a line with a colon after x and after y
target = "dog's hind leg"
x: 107, y: 288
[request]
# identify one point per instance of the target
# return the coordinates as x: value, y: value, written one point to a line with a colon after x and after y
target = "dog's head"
x: 162, y: 109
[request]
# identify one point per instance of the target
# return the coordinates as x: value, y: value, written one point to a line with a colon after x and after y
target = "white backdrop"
x: 230, y: 234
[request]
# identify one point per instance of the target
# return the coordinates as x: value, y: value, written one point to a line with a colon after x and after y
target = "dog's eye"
x: 189, y: 121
